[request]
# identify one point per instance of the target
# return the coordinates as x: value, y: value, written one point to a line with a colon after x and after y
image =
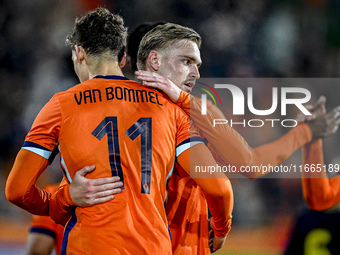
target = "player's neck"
x: 108, y: 68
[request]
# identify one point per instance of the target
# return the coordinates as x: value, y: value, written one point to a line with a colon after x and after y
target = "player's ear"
x: 80, y: 53
x: 123, y: 62
x: 154, y: 60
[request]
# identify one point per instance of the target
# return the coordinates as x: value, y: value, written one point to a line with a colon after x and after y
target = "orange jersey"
x: 187, y: 214
x: 45, y: 225
x: 126, y: 130
x: 320, y: 192
x: 186, y: 207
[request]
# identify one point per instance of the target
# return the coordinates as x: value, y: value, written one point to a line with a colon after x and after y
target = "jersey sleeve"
x: 61, y: 204
x: 224, y: 140
x: 231, y: 148
x: 276, y: 152
x: 32, y: 160
x: 44, y: 224
x: 216, y: 187
x: 187, y: 134
x: 45, y: 129
x: 184, y: 102
x: 20, y: 187
x: 319, y: 191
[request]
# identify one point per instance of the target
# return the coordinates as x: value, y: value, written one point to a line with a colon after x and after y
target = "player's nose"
x: 194, y: 73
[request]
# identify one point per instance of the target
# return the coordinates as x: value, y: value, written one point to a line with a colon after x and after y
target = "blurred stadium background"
x: 241, y: 38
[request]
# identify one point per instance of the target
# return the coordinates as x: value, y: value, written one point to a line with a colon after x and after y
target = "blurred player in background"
x: 144, y: 134
x: 44, y: 234
x: 320, y: 192
x: 315, y: 232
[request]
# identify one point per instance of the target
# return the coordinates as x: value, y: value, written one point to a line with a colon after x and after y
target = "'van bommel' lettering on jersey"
x: 118, y: 93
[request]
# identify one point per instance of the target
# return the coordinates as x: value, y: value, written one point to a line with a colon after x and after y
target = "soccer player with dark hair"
x: 161, y: 54
x: 125, y: 130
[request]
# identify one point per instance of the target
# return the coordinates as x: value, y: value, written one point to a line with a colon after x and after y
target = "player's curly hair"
x: 99, y: 32
x: 161, y: 37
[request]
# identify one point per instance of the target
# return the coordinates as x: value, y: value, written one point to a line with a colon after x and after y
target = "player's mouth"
x: 188, y: 86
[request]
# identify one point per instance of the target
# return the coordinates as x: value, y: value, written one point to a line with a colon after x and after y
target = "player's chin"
x: 186, y: 88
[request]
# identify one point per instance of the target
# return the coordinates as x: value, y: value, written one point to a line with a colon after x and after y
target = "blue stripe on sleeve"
x: 54, y: 153
x: 186, y: 144
x: 43, y: 231
x: 37, y: 149
x: 35, y: 145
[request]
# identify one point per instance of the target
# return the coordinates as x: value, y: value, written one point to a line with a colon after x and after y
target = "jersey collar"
x: 110, y: 77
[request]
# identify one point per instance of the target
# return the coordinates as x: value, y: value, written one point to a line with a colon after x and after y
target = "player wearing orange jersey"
x: 227, y: 145
x: 319, y: 191
x: 127, y: 130
x: 186, y: 206
x: 317, y: 231
x: 44, y: 234
x: 229, y: 148
x: 186, y: 203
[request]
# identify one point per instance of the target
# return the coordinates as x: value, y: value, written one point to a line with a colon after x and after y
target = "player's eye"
x: 186, y: 61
